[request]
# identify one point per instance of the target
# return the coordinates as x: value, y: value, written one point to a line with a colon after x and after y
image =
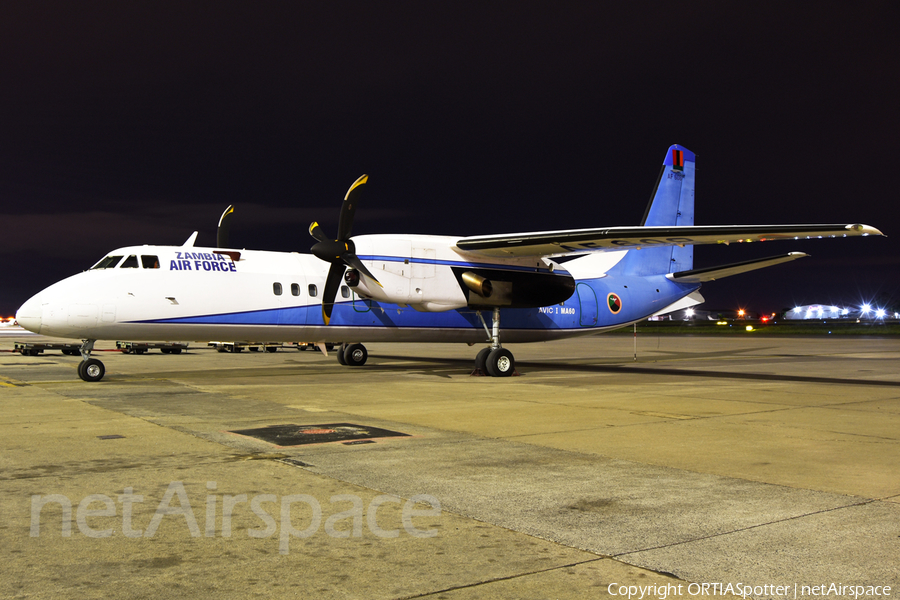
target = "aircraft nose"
x: 29, y: 315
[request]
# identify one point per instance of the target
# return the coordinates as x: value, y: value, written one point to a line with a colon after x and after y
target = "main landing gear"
x: 495, y: 360
x: 90, y: 369
x: 352, y: 355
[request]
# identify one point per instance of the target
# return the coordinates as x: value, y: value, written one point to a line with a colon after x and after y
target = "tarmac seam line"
x: 748, y: 528
x: 511, y: 577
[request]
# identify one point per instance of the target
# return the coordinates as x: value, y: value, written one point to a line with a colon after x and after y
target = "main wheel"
x: 340, y: 354
x: 481, y: 360
x: 91, y: 370
x: 174, y: 350
x: 355, y: 355
x: 500, y: 363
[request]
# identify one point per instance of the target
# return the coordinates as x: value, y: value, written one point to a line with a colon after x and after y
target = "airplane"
x: 546, y: 285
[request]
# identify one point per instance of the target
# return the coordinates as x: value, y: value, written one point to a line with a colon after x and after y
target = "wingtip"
x: 862, y: 229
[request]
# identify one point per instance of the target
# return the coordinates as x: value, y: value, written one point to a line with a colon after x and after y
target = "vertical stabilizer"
x: 672, y: 203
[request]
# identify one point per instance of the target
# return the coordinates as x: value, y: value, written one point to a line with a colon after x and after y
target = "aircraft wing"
x: 555, y: 243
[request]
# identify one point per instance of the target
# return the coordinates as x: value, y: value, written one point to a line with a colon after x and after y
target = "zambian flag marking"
x: 614, y: 303
x: 677, y: 160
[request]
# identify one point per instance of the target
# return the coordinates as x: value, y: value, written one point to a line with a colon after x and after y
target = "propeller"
x: 340, y: 252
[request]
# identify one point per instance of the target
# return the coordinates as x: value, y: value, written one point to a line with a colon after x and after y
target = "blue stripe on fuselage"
x: 587, y: 308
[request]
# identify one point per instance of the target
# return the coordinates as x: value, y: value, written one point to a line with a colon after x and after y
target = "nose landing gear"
x: 90, y: 369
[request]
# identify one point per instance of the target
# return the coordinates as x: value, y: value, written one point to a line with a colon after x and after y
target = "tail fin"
x: 672, y: 203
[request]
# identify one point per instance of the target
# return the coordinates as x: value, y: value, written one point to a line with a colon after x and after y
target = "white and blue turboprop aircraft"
x: 409, y: 288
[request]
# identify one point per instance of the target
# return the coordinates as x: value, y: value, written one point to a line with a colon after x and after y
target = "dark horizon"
x: 126, y: 125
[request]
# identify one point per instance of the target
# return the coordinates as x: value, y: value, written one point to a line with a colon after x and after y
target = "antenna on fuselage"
x: 190, y: 241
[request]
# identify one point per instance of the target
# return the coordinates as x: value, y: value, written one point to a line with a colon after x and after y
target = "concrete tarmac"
x: 753, y: 461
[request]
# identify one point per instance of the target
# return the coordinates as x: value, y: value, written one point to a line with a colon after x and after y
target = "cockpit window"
x: 129, y: 263
x: 149, y: 262
x: 107, y: 263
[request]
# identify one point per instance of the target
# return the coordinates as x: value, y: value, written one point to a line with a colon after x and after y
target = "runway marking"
x: 11, y: 383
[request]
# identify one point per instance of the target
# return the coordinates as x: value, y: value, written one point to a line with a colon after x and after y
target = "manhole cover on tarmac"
x: 299, y: 435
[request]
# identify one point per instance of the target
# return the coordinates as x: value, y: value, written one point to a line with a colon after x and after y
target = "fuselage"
x: 201, y: 294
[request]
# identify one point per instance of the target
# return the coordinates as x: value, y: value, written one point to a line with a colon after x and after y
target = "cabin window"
x: 276, y: 287
x: 108, y: 263
x: 313, y: 290
x: 345, y: 291
x: 129, y: 263
x: 295, y: 289
x: 149, y: 262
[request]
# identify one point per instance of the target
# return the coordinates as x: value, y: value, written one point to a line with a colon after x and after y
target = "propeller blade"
x: 348, y: 208
x: 224, y: 227
x: 317, y: 232
x: 353, y: 261
x: 332, y: 283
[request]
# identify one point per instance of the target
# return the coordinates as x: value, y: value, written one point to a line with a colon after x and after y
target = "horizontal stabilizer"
x: 692, y: 299
x: 713, y: 273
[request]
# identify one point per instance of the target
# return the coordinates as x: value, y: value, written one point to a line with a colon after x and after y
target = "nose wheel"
x: 494, y: 361
x: 90, y: 369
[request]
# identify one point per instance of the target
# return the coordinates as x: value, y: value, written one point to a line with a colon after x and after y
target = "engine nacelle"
x: 435, y: 294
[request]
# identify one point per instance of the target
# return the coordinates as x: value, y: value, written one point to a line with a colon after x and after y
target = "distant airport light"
x: 749, y: 328
x: 689, y: 312
x: 741, y: 312
x: 798, y: 309
x: 866, y: 308
x: 880, y: 313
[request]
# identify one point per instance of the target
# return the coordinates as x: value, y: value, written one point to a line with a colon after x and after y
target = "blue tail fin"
x: 672, y: 203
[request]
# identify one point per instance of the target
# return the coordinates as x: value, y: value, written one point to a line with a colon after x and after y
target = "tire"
x: 355, y: 355
x: 481, y: 360
x: 174, y: 350
x: 165, y: 350
x: 340, y: 354
x: 140, y: 350
x: 500, y: 363
x: 271, y: 348
x: 91, y: 370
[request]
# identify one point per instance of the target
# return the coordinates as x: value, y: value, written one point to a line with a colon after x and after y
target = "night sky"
x: 129, y: 123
